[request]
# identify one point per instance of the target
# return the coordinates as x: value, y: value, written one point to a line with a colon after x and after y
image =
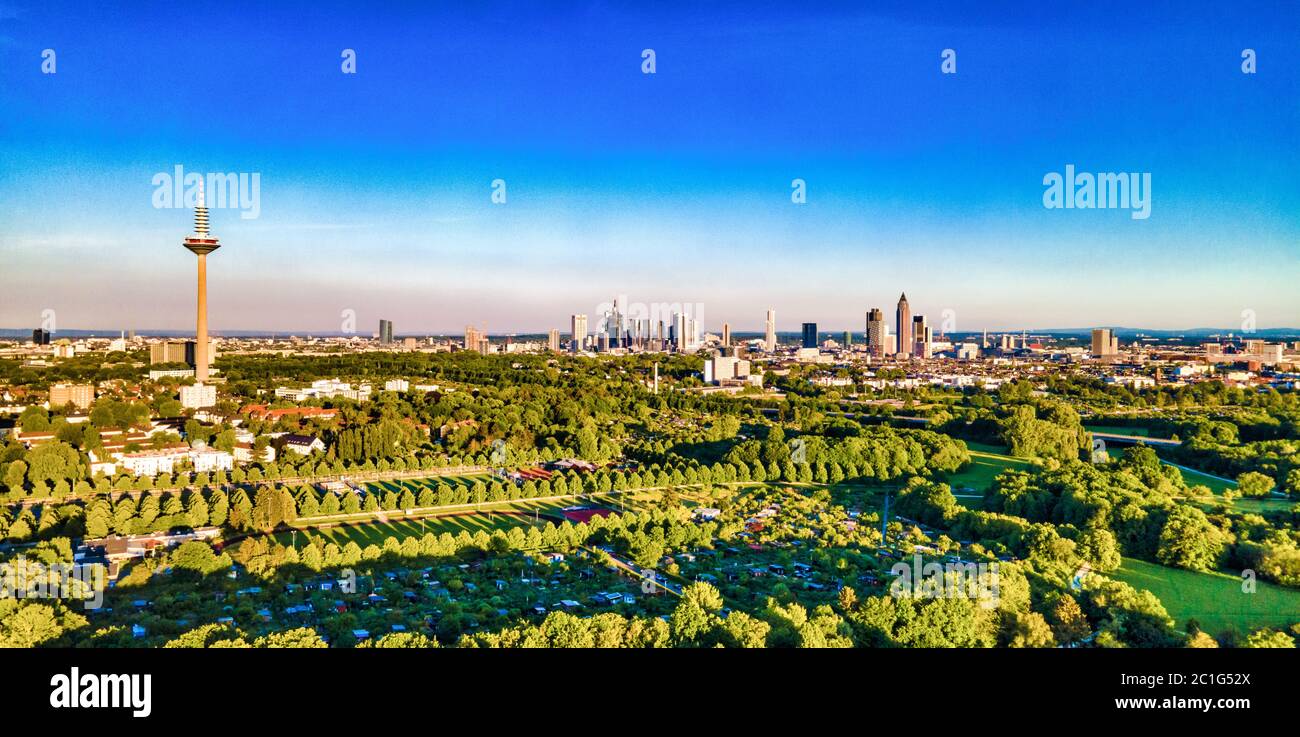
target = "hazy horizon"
x: 735, y: 331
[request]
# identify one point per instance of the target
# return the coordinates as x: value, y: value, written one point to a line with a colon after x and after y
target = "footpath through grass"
x: 1217, y: 486
x: 1215, y: 600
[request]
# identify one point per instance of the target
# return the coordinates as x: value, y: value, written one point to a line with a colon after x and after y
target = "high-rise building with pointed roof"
x: 904, y: 325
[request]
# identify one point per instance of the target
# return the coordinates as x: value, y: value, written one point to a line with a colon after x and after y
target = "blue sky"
x: 671, y: 187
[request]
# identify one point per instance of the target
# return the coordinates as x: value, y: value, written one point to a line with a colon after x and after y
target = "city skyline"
x: 653, y: 186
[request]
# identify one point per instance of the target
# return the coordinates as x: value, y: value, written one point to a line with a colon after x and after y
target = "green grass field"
x: 376, y: 532
x: 987, y: 461
x: 1119, y: 430
x: 1213, y: 599
x: 1196, y: 478
x: 1217, y: 486
x: 498, y: 516
x: 1257, y: 505
x: 415, y: 485
x: 1190, y: 476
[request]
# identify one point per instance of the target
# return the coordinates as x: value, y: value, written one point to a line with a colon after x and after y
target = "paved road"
x: 1135, y: 439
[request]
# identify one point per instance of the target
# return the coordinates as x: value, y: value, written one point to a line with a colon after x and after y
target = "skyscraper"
x: 726, y: 335
x: 770, y: 342
x: 553, y: 340
x: 614, y: 325
x: 201, y: 244
x: 920, y: 337
x: 642, y: 338
x: 1104, y: 343
x: 477, y: 340
x: 82, y: 395
x: 578, y: 331
x: 385, y: 331
x: 877, y: 330
x: 904, y: 325
x: 173, y: 351
x: 810, y: 335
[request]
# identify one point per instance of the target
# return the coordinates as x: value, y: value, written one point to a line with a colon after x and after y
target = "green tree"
x: 14, y: 476
x: 25, y: 623
x: 1068, y: 621
x: 1253, y: 483
x: 301, y: 637
x: 1029, y: 629
x: 34, y: 419
x: 1269, y: 638
x: 52, y: 461
x: 1188, y: 540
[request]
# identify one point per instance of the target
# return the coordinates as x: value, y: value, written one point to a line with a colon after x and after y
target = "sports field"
x: 1215, y: 600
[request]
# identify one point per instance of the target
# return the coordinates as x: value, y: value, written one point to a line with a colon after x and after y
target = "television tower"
x: 201, y: 243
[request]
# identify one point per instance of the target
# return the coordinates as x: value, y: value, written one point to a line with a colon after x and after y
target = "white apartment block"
x: 326, y: 389
x: 171, y: 458
x: 244, y: 453
x: 208, y: 460
x: 724, y: 368
x: 198, y: 396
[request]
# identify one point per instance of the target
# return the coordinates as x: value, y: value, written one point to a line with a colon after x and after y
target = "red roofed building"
x: 261, y: 412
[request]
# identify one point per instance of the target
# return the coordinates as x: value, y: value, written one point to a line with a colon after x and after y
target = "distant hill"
x: 1130, y: 333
